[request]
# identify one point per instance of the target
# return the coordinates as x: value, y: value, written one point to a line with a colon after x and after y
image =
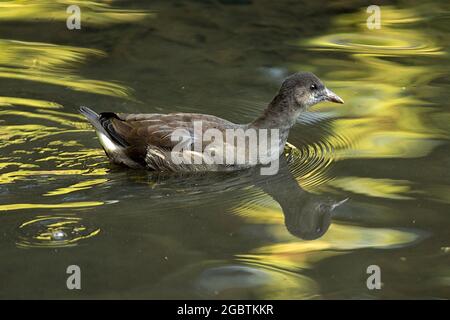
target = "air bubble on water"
x: 58, y: 235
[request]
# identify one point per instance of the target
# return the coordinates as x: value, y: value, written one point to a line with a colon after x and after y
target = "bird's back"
x: 147, y: 140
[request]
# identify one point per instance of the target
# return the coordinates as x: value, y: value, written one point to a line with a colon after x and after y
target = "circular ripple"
x: 392, y: 44
x: 310, y: 162
x: 54, y: 232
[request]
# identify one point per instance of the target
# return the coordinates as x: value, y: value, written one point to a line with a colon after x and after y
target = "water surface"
x: 364, y: 183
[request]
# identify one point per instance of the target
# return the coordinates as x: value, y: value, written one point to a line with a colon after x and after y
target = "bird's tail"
x: 109, y: 139
x: 93, y: 117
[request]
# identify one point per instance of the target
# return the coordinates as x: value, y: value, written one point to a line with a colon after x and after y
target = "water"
x: 364, y: 183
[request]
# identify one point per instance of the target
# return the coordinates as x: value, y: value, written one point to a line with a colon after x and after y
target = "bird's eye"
x: 313, y: 87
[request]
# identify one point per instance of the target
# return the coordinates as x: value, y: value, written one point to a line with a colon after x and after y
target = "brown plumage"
x: 145, y: 140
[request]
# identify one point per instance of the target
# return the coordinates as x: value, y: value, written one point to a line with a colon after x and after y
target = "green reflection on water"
x: 53, y: 64
x: 384, y: 115
x: 96, y: 13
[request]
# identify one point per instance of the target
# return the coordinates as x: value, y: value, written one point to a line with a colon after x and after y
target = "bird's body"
x: 152, y: 141
x: 144, y: 140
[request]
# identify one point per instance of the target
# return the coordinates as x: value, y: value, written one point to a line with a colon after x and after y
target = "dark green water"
x: 240, y: 235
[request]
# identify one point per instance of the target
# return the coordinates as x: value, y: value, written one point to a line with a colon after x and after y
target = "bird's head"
x: 311, y: 218
x: 304, y: 89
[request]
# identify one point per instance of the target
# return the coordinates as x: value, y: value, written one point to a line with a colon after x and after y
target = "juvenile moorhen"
x: 144, y: 140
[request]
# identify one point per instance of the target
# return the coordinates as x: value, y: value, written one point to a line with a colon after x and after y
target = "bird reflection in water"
x: 306, y: 215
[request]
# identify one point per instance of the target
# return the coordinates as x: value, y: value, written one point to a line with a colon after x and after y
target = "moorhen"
x: 146, y: 140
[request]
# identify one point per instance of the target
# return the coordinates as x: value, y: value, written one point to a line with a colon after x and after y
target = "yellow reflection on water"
x: 11, y: 101
x: 28, y: 124
x: 266, y: 213
x: 40, y: 116
x: 68, y: 159
x: 385, y: 115
x: 13, y: 176
x: 393, y: 39
x: 381, y: 188
x: 340, y: 239
x: 17, y: 134
x: 290, y: 253
x: 4, y: 165
x: 53, y: 64
x: 97, y: 13
x: 21, y: 206
x: 59, y: 157
x: 76, y: 187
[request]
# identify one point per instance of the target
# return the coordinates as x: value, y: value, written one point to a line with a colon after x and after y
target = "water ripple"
x: 55, y: 65
x: 94, y: 13
x: 392, y: 44
x: 54, y: 232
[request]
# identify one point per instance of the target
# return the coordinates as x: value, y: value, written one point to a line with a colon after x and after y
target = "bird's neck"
x: 279, y: 114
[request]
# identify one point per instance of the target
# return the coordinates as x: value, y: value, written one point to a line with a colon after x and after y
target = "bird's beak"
x: 331, y: 96
x: 337, y: 204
